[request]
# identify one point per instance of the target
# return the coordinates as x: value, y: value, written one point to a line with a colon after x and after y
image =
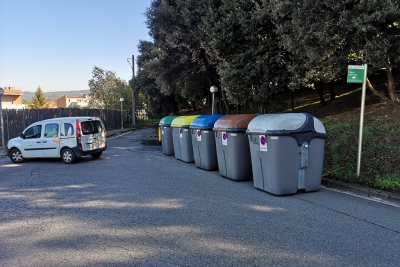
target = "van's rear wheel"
x: 96, y: 155
x: 16, y: 155
x: 68, y: 156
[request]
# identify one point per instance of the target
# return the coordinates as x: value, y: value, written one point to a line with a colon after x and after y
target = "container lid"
x: 234, y: 122
x: 285, y: 122
x: 301, y: 126
x: 205, y: 121
x: 166, y: 121
x: 183, y: 121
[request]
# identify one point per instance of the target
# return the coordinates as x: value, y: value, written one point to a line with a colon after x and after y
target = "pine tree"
x: 39, y: 101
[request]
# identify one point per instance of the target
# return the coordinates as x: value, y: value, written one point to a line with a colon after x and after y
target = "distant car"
x: 68, y: 137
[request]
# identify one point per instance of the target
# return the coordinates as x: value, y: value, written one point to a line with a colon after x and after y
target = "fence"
x: 16, y: 120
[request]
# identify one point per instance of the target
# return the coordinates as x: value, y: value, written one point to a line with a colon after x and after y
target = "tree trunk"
x: 292, y: 102
x: 392, y: 93
x: 332, y: 94
x: 319, y: 86
x: 382, y: 96
x: 226, y: 104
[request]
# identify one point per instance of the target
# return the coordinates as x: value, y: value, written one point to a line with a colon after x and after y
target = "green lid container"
x: 166, y: 121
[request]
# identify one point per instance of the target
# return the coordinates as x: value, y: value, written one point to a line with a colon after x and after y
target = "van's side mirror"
x: 22, y: 135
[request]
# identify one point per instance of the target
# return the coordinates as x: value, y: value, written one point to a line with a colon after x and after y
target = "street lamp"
x: 213, y: 89
x: 1, y: 121
x: 122, y: 120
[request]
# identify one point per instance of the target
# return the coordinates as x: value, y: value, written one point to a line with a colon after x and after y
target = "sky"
x: 55, y: 44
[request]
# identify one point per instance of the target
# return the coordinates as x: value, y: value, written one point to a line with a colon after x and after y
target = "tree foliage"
x: 255, y: 49
x: 157, y: 102
x: 106, y: 89
x: 38, y: 101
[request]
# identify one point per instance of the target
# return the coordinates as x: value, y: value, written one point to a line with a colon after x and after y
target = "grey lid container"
x: 301, y: 126
x: 287, y: 152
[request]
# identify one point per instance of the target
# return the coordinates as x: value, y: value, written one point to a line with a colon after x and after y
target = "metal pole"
x: 212, y: 109
x: 122, y: 120
x: 364, y: 88
x: 2, y: 127
x: 133, y: 92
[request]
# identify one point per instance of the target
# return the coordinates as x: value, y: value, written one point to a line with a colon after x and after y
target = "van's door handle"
x: 38, y: 142
x: 44, y: 141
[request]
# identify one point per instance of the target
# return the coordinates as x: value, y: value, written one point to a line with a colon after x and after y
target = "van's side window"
x: 51, y: 130
x: 33, y: 132
x: 67, y: 129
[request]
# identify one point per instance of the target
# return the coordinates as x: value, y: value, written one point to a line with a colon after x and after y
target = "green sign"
x: 355, y: 74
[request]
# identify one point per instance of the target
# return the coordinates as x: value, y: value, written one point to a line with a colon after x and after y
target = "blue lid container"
x: 205, y: 122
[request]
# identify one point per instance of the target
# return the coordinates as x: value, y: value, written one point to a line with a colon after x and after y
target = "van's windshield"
x: 91, y: 127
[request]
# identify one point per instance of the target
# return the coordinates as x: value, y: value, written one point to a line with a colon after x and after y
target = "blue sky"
x: 55, y: 44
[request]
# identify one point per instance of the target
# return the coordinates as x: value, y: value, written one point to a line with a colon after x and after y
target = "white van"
x: 67, y: 137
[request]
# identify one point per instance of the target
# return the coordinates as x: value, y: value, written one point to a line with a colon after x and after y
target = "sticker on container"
x: 274, y: 137
x: 263, y: 143
x: 198, y: 135
x: 180, y: 132
x: 162, y: 132
x: 224, y: 139
x: 233, y: 134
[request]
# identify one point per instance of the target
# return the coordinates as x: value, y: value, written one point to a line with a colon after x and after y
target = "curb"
x: 361, y: 190
x: 116, y: 133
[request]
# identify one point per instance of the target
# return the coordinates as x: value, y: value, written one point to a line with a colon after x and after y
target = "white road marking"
x: 374, y: 199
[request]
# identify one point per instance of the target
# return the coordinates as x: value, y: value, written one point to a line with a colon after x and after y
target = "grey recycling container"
x: 233, y: 151
x: 166, y: 135
x: 204, y: 150
x: 182, y: 138
x: 287, y: 152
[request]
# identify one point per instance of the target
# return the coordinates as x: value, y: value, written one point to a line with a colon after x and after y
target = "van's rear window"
x: 91, y: 127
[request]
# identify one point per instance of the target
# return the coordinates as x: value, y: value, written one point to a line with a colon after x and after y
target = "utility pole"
x: 133, y: 90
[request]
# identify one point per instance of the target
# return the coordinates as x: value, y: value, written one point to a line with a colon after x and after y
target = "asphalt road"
x: 137, y: 207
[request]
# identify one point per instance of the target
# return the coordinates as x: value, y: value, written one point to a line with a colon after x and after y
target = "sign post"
x: 358, y: 74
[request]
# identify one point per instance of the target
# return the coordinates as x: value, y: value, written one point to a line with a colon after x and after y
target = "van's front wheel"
x: 68, y: 156
x: 96, y: 155
x: 16, y: 155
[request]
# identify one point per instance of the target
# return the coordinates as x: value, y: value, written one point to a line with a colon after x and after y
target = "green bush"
x: 380, y: 151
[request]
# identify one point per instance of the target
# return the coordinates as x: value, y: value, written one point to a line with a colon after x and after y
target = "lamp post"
x: 213, y: 90
x: 122, y: 118
x: 1, y: 121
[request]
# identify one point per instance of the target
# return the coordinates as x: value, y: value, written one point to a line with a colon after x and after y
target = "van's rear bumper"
x: 80, y: 153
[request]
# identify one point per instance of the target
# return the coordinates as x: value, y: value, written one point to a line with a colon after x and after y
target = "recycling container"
x: 204, y: 151
x: 182, y: 139
x: 287, y: 152
x: 166, y: 135
x: 232, y: 145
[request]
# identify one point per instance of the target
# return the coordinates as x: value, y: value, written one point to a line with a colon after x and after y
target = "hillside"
x: 51, y: 96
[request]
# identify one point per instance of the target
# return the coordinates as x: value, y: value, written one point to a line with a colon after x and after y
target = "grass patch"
x: 380, y: 152
x: 389, y: 182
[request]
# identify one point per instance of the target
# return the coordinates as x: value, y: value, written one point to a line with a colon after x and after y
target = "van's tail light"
x: 78, y: 135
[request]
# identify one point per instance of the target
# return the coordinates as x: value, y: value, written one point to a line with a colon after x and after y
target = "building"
x: 12, y: 98
x: 73, y: 101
